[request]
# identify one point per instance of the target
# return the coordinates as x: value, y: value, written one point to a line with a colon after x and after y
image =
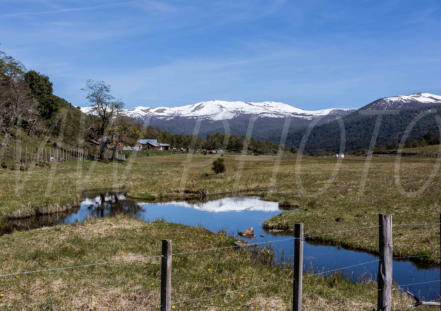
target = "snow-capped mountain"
x: 358, y: 127
x: 266, y: 119
x: 231, y: 117
x: 413, y: 101
x: 218, y: 110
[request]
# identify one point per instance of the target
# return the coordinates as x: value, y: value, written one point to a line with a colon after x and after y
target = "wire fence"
x: 31, y: 155
x: 206, y: 302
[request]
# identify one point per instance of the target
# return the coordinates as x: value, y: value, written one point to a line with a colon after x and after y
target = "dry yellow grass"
x: 133, y: 284
x: 325, y: 204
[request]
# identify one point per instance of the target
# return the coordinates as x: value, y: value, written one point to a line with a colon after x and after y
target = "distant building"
x: 152, y: 144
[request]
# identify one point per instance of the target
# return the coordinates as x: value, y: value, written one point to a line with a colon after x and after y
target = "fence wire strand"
x: 228, y: 292
x: 104, y: 263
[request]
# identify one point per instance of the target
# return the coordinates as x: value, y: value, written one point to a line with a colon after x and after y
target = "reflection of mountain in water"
x: 237, y: 204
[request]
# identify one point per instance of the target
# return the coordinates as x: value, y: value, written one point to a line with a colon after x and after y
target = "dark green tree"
x: 41, y: 89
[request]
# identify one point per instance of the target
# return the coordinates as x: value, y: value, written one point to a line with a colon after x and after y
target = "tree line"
x: 29, y: 107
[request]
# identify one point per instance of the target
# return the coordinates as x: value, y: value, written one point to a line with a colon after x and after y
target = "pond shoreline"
x: 198, y: 195
x: 193, y: 196
x: 329, y: 241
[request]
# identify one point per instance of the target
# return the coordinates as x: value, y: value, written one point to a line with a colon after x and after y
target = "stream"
x: 237, y: 213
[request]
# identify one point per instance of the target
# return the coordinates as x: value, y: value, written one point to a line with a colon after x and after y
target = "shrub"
x: 218, y: 166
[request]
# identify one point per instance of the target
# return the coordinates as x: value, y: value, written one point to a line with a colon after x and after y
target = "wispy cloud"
x: 63, y: 10
x: 176, y: 52
x: 146, y: 4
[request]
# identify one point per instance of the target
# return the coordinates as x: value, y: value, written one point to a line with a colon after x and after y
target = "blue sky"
x: 311, y: 54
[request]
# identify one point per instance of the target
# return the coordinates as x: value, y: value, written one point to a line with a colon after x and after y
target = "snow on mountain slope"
x: 413, y: 101
x: 217, y: 110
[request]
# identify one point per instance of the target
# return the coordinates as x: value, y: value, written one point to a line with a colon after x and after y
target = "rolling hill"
x: 416, y: 113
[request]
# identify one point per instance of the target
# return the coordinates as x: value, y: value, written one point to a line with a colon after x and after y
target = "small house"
x: 152, y: 144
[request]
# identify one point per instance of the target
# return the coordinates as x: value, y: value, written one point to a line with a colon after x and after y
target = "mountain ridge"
x: 217, y: 110
x: 359, y: 125
x: 235, y: 117
x: 400, y: 102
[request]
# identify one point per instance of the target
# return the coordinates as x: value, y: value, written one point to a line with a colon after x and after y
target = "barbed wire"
x: 429, y: 224
x: 306, y: 237
x: 420, y: 283
x: 243, y: 289
x: 267, y: 284
x: 104, y: 263
x: 245, y: 245
x: 347, y: 267
x: 410, y: 257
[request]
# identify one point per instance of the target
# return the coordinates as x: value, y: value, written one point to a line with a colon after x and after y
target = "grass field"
x: 424, y: 150
x: 233, y: 280
x: 325, y: 205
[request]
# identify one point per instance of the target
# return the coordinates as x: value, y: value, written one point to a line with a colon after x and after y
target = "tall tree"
x: 104, y: 107
x: 17, y: 106
x: 41, y: 88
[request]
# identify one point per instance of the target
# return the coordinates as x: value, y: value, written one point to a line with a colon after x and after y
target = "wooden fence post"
x: 385, y: 264
x: 298, y: 267
x: 166, y: 271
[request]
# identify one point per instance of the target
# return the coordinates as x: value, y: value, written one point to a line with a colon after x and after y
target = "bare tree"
x: 105, y: 108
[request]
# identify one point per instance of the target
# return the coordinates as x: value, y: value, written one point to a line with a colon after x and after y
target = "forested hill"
x: 359, y: 129
x: 30, y: 110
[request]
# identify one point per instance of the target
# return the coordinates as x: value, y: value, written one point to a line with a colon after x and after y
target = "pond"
x: 238, y: 213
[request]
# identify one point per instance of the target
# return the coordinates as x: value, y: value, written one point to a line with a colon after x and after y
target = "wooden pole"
x: 385, y: 264
x: 298, y: 267
x: 166, y: 270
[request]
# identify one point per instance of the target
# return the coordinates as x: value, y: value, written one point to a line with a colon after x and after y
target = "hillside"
x: 33, y: 118
x: 396, y: 115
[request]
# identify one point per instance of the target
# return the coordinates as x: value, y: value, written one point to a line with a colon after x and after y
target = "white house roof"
x: 153, y: 142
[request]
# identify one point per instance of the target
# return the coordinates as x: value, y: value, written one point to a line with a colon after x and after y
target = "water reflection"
x: 103, y: 205
x: 235, y: 214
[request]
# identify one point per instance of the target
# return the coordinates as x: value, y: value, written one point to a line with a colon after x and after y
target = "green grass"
x: 343, y: 205
x: 424, y: 150
x: 133, y: 282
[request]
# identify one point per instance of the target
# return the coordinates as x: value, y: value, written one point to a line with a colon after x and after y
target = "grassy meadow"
x: 325, y: 204
x: 232, y: 280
